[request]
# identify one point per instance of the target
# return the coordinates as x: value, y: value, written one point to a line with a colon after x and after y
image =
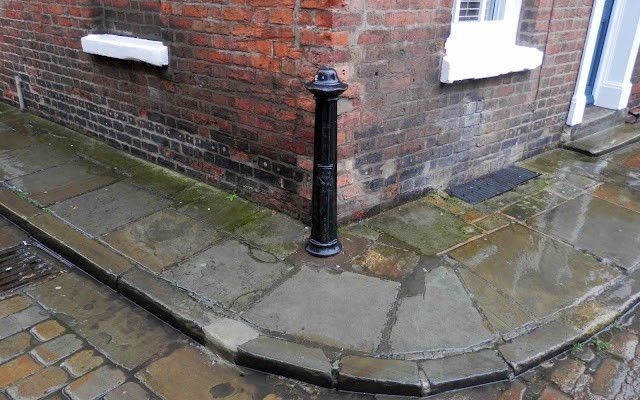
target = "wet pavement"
x: 69, y: 337
x: 481, y: 291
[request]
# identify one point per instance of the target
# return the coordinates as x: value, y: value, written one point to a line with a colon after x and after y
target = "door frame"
x: 612, y: 87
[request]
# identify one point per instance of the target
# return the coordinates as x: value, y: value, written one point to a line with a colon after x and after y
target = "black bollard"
x: 326, y: 87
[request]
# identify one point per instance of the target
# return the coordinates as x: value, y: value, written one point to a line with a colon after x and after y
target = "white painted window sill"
x: 477, y: 62
x: 126, y: 48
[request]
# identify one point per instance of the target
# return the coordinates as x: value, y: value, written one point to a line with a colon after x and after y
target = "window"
x: 482, y: 42
x: 493, y: 10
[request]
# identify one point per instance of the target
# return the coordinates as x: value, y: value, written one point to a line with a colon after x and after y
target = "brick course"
x: 231, y: 108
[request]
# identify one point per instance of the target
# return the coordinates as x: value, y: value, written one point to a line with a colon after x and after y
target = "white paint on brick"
x: 126, y: 48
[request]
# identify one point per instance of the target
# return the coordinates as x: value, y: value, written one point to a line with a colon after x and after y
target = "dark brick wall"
x: 231, y: 108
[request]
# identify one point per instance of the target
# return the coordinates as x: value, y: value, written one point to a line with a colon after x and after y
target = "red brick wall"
x: 231, y: 108
x: 634, y: 100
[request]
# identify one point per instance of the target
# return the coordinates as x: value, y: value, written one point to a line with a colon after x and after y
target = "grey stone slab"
x: 531, y: 348
x: 63, y: 181
x: 287, y: 359
x: 343, y: 310
x: 375, y: 375
x: 14, y: 323
x: 276, y: 233
x: 104, y: 319
x: 95, y: 384
x: 166, y: 302
x: 57, y: 349
x: 595, y: 225
x: 128, y: 391
x: 465, y: 370
x: 606, y: 141
x: 440, y: 316
x: 623, y: 294
x: 162, y: 239
x: 542, y: 275
x: 503, y: 313
x: 532, y: 205
x: 229, y: 273
x: 425, y: 227
x: 492, y: 222
x: 106, y: 209
x: 30, y: 159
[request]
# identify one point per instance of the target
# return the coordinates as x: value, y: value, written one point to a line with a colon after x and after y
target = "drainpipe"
x: 19, y: 88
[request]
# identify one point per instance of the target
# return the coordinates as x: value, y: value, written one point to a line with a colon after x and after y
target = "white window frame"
x: 483, y: 49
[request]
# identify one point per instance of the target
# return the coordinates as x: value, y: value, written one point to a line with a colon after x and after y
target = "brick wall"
x: 634, y: 100
x: 231, y: 108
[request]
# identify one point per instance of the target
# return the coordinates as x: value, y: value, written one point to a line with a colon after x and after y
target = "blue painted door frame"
x: 597, y: 53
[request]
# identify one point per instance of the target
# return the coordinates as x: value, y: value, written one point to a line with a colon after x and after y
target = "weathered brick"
x: 17, y: 369
x: 39, y: 384
x: 13, y: 305
x: 82, y: 362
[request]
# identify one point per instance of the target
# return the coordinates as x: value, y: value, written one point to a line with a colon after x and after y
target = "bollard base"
x: 318, y: 249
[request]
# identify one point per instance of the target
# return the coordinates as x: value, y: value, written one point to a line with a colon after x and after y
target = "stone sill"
x: 126, y: 48
x: 464, y: 63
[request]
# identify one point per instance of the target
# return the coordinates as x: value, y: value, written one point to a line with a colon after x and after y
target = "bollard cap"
x: 326, y: 83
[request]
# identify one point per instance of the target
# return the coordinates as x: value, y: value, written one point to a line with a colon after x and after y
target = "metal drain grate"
x: 24, y: 264
x: 496, y: 183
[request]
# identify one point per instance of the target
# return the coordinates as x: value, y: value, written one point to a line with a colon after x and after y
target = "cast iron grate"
x: 496, y: 183
x: 24, y: 264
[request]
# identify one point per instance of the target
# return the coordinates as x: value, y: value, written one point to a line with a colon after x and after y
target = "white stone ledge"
x: 126, y: 48
x: 479, y: 62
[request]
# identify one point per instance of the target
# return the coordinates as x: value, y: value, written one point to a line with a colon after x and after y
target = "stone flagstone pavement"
x: 69, y: 337
x: 430, y: 296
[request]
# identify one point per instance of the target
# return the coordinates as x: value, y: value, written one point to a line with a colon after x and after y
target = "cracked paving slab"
x: 344, y: 310
x: 230, y: 273
x: 441, y: 317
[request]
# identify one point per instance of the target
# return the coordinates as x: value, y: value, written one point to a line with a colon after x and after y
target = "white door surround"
x: 613, y: 80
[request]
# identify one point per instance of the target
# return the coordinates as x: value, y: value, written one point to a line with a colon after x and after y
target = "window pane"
x: 469, y: 11
x: 494, y: 10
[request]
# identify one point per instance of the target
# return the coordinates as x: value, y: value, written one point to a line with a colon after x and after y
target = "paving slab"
x: 375, y: 375
x: 229, y: 273
x: 276, y: 233
x: 15, y: 208
x: 542, y: 343
x: 565, y: 190
x: 30, y: 159
x: 386, y: 261
x: 343, y: 310
x: 440, y: 317
x: 534, y: 204
x: 128, y: 391
x: 423, y: 226
x: 597, y: 226
x: 10, y: 140
x: 213, y: 206
x: 287, y: 359
x: 493, y: 221
x: 464, y: 370
x: 108, y: 208
x: 63, y: 181
x: 162, y: 239
x: 589, y: 316
x: 104, y: 319
x: 188, y: 374
x: 539, y: 273
x: 620, y: 195
x: 504, y: 314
